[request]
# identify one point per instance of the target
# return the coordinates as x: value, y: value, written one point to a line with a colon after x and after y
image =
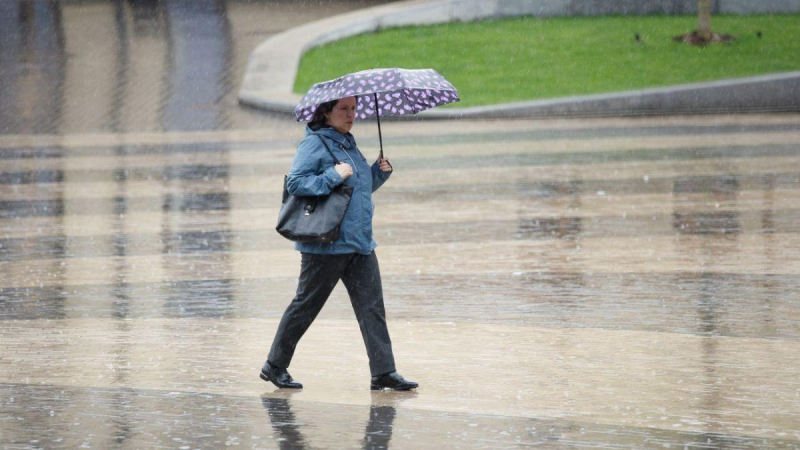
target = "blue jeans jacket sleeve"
x: 378, y: 177
x: 307, y: 176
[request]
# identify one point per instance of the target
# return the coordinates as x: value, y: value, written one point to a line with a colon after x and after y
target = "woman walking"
x: 351, y: 258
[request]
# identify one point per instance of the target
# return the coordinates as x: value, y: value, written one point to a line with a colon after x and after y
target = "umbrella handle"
x: 378, y: 116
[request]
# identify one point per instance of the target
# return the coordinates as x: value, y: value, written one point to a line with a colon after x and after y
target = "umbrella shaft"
x: 378, y: 117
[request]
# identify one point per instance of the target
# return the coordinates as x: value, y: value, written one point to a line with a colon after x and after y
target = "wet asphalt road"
x: 627, y: 283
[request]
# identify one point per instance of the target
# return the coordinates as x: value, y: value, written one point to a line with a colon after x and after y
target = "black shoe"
x: 279, y: 377
x: 392, y: 381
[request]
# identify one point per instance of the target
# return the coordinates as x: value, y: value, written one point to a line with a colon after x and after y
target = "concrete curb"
x: 768, y: 93
x: 272, y: 68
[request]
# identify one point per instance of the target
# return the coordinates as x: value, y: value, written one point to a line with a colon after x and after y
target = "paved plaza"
x: 571, y: 283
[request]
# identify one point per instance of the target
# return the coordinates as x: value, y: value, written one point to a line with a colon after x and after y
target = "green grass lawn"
x: 528, y: 58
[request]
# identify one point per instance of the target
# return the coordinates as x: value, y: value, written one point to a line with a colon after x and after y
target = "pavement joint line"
x: 217, y: 170
x: 644, y: 148
x: 454, y: 324
x: 112, y: 141
x: 154, y: 205
x: 405, y: 261
x: 786, y: 182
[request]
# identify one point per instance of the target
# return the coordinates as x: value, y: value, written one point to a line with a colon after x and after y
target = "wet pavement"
x: 621, y: 283
x: 78, y: 66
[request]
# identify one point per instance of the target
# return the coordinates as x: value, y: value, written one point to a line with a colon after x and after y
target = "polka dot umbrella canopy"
x: 382, y: 92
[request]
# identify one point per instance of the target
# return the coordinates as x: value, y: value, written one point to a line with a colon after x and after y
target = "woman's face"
x: 343, y: 114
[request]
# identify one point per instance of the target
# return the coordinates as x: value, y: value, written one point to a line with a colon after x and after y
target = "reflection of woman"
x: 289, y: 434
x: 351, y: 258
x: 284, y: 423
x: 379, y: 427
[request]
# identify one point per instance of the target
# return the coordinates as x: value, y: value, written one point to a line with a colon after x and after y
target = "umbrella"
x: 382, y: 92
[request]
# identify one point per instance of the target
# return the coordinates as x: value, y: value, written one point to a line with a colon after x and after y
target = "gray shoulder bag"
x: 314, y: 219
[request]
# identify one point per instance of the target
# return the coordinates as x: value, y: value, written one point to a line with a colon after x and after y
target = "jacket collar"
x: 346, y: 140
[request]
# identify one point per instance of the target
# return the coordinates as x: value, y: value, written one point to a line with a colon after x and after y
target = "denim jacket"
x: 313, y: 173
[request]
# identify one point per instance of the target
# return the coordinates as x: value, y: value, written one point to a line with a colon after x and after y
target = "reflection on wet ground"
x: 173, y: 419
x: 624, y: 283
x: 651, y: 281
x: 133, y: 65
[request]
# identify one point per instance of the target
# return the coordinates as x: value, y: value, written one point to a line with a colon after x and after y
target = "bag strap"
x: 335, y: 160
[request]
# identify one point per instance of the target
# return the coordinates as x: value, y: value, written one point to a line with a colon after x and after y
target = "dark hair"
x: 318, y: 120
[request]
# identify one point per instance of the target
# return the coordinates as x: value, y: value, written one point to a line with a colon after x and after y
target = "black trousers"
x: 318, y: 276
